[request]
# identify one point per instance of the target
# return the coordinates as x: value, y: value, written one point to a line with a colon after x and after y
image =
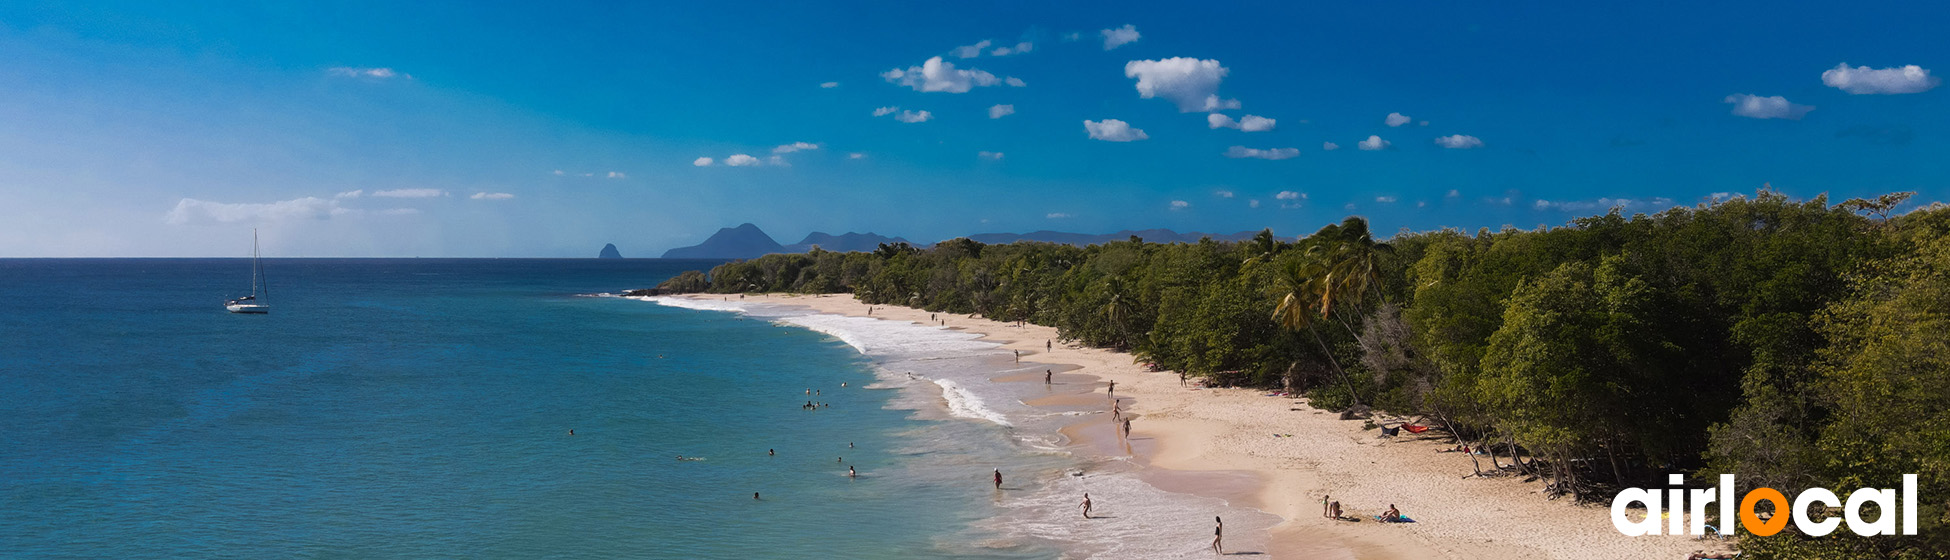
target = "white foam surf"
x: 966, y: 405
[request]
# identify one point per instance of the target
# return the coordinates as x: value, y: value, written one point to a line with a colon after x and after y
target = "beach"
x: 1234, y: 445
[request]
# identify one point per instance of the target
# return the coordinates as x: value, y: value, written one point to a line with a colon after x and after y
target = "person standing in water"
x: 998, y: 479
x: 1047, y: 374
x: 1113, y: 386
x: 1218, y: 535
x: 850, y: 473
x: 1127, y: 426
x: 1086, y: 505
x: 1018, y: 355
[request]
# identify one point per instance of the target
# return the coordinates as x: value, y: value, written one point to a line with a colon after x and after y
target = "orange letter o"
x: 1752, y: 522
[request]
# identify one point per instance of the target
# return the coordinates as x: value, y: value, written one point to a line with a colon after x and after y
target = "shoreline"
x: 1220, y: 443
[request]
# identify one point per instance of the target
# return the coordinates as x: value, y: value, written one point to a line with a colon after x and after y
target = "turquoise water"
x: 422, y: 409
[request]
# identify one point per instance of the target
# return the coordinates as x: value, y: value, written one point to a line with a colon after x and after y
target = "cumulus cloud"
x: 882, y: 111
x: 1290, y: 195
x: 940, y: 75
x: 1459, y: 141
x: 1254, y: 203
x: 1191, y: 83
x: 1385, y: 199
x: 1119, y: 37
x: 190, y: 210
x: 794, y: 147
x: 1329, y: 146
x: 411, y: 193
x: 971, y: 51
x: 1248, y: 123
x: 913, y: 116
x: 991, y: 156
x: 1396, y: 119
x: 1271, y: 153
x: 616, y: 175
x: 1864, y: 80
x: 373, y: 73
x: 1180, y: 205
x: 491, y: 196
x: 742, y: 160
x: 1113, y: 130
x: 1453, y: 193
x: 703, y: 162
x: 1020, y: 48
x: 350, y: 194
x: 1758, y: 107
x: 1373, y: 143
x: 559, y: 172
x: 1058, y: 215
x: 829, y: 85
x: 1014, y: 81
x: 1222, y: 194
x: 855, y: 155
x: 998, y: 111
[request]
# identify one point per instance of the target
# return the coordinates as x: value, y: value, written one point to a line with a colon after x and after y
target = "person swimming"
x: 772, y: 452
x: 572, y: 431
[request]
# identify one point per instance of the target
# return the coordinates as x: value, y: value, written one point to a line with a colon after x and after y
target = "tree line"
x: 1795, y: 344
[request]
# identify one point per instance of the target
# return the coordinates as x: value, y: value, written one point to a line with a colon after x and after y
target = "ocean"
x: 423, y: 408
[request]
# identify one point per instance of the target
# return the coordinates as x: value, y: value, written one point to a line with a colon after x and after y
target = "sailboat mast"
x: 255, y: 270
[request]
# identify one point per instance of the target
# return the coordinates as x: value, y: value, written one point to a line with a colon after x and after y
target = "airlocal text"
x: 1678, y: 501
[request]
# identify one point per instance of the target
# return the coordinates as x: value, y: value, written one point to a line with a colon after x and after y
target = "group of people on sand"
x: 1332, y: 510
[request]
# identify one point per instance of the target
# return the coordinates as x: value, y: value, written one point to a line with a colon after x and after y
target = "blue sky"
x: 503, y: 129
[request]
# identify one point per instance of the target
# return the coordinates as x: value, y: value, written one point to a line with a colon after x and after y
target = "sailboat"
x: 253, y: 303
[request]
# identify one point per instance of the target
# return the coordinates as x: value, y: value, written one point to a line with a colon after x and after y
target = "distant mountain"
x: 742, y: 242
x: 610, y: 252
x: 747, y: 241
x: 1151, y: 235
x: 845, y: 243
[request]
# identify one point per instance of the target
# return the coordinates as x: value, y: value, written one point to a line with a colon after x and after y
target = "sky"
x: 501, y: 129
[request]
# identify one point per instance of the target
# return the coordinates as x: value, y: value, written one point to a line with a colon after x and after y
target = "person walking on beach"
x: 1218, y: 535
x: 1113, y: 386
x: 1086, y: 505
x: 1048, y: 345
x: 1127, y: 427
x: 1047, y: 374
x: 998, y: 479
x: 1018, y: 355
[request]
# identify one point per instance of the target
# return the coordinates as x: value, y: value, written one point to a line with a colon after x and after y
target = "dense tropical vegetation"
x: 1794, y: 343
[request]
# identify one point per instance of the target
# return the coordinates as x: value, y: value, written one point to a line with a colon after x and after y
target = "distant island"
x: 746, y: 241
x: 610, y: 252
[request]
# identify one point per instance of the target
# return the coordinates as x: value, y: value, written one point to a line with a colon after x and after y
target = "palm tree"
x: 1115, y: 311
x: 1303, y: 282
x: 1261, y: 249
x: 1348, y: 254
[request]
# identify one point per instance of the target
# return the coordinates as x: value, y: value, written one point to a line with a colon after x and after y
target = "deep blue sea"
x: 422, y: 408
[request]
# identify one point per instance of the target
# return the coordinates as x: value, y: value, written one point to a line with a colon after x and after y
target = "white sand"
x: 1183, y: 432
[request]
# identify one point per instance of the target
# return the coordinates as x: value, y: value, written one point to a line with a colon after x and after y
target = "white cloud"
x: 1073, y: 36
x: 1191, y: 83
x: 1385, y: 199
x: 1329, y: 146
x: 1271, y: 153
x: 1373, y: 143
x: 1865, y: 80
x: 992, y: 156
x: 1014, y: 81
x: 913, y: 116
x: 1396, y: 119
x: 350, y: 194
x: 411, y: 193
x: 1459, y: 141
x: 999, y: 111
x: 882, y: 111
x: 1248, y: 123
x: 1020, y: 48
x: 777, y: 160
x: 794, y: 147
x: 1222, y: 194
x: 1453, y: 193
x: 1180, y: 205
x: 1254, y: 203
x: 616, y: 175
x: 702, y: 162
x: 741, y: 160
x: 1058, y: 215
x: 374, y: 73
x: 491, y: 196
x: 1290, y: 195
x: 856, y: 155
x: 308, y: 208
x: 829, y: 85
x: 939, y: 75
x: 1758, y: 107
x: 971, y: 51
x: 1119, y: 37
x: 1113, y: 130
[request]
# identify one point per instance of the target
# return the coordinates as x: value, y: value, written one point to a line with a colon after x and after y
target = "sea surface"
x: 423, y: 408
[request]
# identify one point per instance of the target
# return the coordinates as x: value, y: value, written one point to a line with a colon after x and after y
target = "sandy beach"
x: 1222, y: 443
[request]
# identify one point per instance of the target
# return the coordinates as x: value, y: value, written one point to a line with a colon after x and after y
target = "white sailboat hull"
x: 247, y: 308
